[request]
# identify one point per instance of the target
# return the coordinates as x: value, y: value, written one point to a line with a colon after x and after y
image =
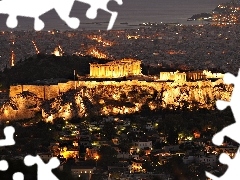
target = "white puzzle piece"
x: 44, y: 170
x: 18, y: 176
x: 101, y: 4
x: 36, y: 8
x: 8, y: 141
x: 232, y: 131
x: 3, y: 165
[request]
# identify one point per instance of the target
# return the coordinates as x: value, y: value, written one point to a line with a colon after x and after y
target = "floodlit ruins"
x: 126, y: 96
x: 116, y: 69
x: 190, y: 76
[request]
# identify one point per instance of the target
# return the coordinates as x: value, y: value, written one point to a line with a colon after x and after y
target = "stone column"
x: 115, y: 71
x: 107, y: 71
x: 91, y: 70
x: 98, y: 71
x: 138, y: 68
x: 96, y: 74
x: 102, y: 71
x: 118, y: 71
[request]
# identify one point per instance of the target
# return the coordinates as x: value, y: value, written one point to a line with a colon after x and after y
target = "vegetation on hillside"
x: 43, y: 66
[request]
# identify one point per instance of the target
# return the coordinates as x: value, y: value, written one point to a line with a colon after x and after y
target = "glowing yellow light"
x: 97, y: 54
x: 58, y: 51
x: 12, y: 59
x: 35, y: 46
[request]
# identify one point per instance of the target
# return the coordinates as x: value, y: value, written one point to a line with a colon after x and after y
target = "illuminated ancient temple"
x: 116, y: 69
x: 173, y: 76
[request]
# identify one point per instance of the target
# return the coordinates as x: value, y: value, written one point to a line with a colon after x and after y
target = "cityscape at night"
x: 137, y: 102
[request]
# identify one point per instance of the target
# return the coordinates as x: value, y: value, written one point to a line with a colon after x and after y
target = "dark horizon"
x: 133, y: 12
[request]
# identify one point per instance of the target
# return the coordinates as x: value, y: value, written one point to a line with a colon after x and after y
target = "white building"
x: 79, y: 171
x: 141, y: 145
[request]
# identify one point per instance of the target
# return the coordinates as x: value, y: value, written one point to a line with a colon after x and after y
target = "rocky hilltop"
x: 105, y: 98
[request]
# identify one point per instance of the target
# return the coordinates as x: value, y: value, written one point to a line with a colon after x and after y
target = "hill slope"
x: 42, y: 67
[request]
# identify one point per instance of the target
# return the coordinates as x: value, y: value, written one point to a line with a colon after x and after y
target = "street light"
x: 97, y: 157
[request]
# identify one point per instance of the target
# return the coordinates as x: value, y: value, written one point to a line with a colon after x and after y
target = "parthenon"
x: 116, y: 69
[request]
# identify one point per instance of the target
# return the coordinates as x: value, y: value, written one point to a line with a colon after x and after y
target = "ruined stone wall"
x: 14, y: 90
x: 51, y: 91
x: 37, y: 90
x: 109, y: 97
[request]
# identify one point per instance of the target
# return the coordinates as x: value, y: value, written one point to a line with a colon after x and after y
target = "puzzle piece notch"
x: 3, y: 165
x: 221, y: 105
x: 229, y: 78
x: 18, y: 176
x: 9, y: 140
x: 231, y: 131
x: 35, y: 9
x: 96, y: 5
x: 233, y: 167
x: 44, y: 170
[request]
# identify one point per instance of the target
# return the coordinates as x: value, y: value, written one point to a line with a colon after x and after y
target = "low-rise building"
x: 140, y: 145
x: 79, y: 171
x: 137, y: 166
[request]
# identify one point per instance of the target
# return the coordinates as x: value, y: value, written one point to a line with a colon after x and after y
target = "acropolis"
x: 116, y: 69
x: 191, y: 75
x: 104, y: 84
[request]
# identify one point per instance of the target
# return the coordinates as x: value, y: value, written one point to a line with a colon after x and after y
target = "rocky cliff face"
x: 66, y: 106
x: 112, y: 100
x: 22, y: 106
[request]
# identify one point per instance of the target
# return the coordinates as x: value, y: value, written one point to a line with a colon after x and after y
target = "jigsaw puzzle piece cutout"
x: 103, y: 5
x: 229, y: 78
x: 235, y: 97
x: 114, y: 5
x: 25, y: 8
x: 18, y: 176
x: 231, y: 131
x: 233, y: 167
x: 63, y: 9
x: 221, y: 105
x: 9, y: 140
x: 44, y: 170
x: 3, y: 165
x: 36, y: 8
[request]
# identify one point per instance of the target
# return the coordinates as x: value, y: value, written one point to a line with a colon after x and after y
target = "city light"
x: 35, y: 46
